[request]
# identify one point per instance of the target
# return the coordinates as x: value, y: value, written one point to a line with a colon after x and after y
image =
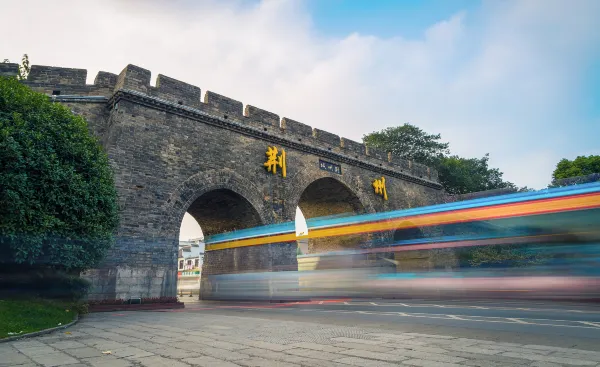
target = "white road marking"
x: 596, y: 324
x: 374, y: 304
x: 493, y: 319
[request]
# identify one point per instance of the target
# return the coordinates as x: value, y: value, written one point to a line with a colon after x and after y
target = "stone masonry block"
x: 225, y: 105
x: 400, y: 162
x: 433, y: 174
x: 327, y: 137
x: 176, y: 91
x: 376, y: 153
x: 262, y: 116
x: 7, y: 69
x: 419, y: 170
x: 104, y: 79
x: 56, y: 75
x: 352, y: 146
x: 134, y: 78
x: 296, y: 127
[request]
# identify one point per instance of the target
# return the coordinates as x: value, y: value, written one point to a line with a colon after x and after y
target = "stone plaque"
x: 331, y: 167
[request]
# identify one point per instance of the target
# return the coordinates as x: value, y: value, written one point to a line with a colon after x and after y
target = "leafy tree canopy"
x: 58, y: 203
x: 580, y: 166
x: 465, y: 175
x: 458, y: 175
x: 409, y: 142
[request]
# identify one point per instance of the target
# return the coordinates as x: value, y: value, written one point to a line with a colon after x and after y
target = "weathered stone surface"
x: 326, y: 137
x: 56, y: 75
x: 170, y: 158
x: 227, y: 106
x: 106, y: 79
x: 178, y: 92
x: 295, y: 127
x: 259, y: 115
x: 9, y: 69
x: 376, y: 153
x: 354, y: 147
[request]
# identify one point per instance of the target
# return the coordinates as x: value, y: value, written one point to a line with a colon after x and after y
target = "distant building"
x: 189, y: 265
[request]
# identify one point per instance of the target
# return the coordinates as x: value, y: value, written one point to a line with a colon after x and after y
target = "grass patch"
x: 28, y: 315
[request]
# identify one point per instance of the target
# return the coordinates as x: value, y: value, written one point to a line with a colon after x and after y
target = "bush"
x: 58, y: 202
x: 81, y: 308
x: 43, y: 283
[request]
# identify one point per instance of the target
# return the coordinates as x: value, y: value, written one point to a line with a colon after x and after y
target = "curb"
x: 136, y: 307
x: 41, y: 332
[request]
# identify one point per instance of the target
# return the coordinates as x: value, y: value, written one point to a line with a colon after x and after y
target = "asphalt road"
x: 561, y: 324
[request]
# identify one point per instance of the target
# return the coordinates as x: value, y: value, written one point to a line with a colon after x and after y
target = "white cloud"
x: 500, y: 80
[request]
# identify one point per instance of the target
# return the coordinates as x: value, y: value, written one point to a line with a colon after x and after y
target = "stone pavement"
x: 180, y: 339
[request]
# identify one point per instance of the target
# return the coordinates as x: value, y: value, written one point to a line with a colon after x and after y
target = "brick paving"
x: 178, y: 339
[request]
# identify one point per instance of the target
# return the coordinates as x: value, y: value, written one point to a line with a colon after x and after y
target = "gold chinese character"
x: 379, y: 186
x: 274, y: 161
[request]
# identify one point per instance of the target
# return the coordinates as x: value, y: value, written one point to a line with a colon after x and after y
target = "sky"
x: 518, y: 79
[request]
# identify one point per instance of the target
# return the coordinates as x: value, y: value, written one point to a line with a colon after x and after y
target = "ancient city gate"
x: 172, y: 153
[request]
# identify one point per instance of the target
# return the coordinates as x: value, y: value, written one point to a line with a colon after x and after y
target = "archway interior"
x: 329, y: 197
x: 223, y: 210
x: 217, y: 211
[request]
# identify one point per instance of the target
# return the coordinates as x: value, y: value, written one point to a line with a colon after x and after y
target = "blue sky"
x: 383, y: 18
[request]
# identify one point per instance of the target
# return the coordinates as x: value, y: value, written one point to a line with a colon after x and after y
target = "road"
x: 530, y: 322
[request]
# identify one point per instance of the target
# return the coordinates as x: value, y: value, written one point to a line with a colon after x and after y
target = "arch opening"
x: 214, y: 212
x: 328, y: 197
x: 223, y: 210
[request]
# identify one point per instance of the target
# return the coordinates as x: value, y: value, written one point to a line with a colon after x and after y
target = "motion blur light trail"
x: 543, y: 244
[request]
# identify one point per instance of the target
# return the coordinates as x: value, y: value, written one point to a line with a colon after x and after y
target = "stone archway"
x: 329, y: 196
x: 301, y: 183
x: 201, y: 194
x: 220, y: 201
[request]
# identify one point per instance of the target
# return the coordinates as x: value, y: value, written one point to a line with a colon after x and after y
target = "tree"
x: 457, y: 175
x: 58, y: 202
x: 24, y: 68
x: 409, y: 142
x: 464, y: 175
x: 580, y: 166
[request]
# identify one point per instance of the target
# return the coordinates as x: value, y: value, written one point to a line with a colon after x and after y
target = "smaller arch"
x: 302, y: 182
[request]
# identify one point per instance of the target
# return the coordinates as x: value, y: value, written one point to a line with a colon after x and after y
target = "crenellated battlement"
x: 72, y: 82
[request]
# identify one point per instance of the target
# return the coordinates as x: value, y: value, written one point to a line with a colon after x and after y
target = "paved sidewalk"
x: 195, y: 339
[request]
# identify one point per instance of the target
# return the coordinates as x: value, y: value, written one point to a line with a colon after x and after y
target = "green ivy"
x: 58, y: 202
